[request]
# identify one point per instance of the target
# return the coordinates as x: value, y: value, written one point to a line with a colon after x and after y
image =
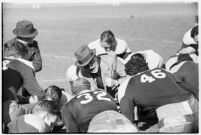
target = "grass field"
x: 63, y: 28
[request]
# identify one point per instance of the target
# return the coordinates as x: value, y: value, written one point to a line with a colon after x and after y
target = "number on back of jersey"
x: 5, y: 62
x: 100, y: 95
x: 155, y: 74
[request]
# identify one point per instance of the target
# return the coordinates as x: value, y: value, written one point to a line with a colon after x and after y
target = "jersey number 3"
x: 100, y: 95
x: 156, y: 74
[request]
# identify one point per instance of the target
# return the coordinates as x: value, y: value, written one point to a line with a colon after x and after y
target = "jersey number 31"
x: 156, y: 74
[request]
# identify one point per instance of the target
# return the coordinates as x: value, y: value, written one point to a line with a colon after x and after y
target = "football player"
x: 190, y: 41
x: 153, y: 59
x: 42, y: 119
x: 187, y: 71
x: 157, y: 92
x: 175, y: 62
x: 18, y: 72
x: 79, y: 111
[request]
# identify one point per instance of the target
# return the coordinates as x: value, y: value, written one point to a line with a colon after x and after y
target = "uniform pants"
x: 178, y: 117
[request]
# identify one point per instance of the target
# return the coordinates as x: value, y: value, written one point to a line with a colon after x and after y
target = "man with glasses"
x: 109, y: 44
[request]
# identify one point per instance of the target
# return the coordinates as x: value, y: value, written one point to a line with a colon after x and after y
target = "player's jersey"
x: 15, y: 74
x: 149, y: 90
x: 188, y: 73
x: 79, y: 111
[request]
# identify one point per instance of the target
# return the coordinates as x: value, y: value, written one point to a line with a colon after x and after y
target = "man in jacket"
x: 25, y: 33
x: 103, y: 71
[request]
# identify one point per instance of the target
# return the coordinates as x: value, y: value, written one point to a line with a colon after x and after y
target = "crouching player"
x: 157, y: 92
x: 42, y: 119
x: 79, y: 111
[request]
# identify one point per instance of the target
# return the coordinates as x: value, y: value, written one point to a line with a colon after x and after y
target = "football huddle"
x: 113, y: 90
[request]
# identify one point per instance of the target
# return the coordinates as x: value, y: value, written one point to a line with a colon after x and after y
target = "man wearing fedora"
x: 104, y: 71
x: 25, y: 33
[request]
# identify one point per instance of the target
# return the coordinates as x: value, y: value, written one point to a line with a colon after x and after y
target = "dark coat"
x: 33, y: 55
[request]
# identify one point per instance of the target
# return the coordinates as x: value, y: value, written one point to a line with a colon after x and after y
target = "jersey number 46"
x: 156, y: 74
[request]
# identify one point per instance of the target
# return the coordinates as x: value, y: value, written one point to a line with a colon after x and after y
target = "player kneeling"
x: 157, y: 92
x: 79, y: 111
x: 42, y: 119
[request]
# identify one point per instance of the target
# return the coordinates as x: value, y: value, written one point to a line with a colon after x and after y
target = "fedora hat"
x: 84, y: 55
x: 25, y: 29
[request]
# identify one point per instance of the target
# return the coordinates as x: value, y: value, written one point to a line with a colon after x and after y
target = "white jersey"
x: 121, y: 47
x: 153, y: 59
x: 172, y: 60
x: 71, y: 74
x: 187, y: 39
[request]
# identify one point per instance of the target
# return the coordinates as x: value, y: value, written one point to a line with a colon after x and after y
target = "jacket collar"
x: 26, y: 62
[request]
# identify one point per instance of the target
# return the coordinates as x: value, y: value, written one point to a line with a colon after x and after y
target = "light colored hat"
x: 111, y: 122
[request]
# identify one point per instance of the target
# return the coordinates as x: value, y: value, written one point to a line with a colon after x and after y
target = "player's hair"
x: 80, y: 84
x: 46, y: 106
x: 16, y: 49
x: 108, y: 37
x: 53, y: 92
x: 136, y: 64
x: 182, y: 57
x: 196, y: 19
x: 194, y: 31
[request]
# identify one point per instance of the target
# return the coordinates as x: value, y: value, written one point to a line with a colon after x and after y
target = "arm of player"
x: 67, y: 116
x: 181, y: 81
x: 120, y: 70
x: 127, y: 108
x: 30, y: 82
x: 37, y: 60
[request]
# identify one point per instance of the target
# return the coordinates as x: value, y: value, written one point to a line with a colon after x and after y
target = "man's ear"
x: 45, y: 115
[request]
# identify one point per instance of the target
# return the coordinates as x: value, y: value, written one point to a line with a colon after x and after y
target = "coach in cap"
x: 25, y: 33
x: 104, y: 71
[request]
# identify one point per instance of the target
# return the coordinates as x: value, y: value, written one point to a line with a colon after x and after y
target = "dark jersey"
x: 149, y: 90
x: 16, y: 74
x: 188, y: 74
x: 79, y: 111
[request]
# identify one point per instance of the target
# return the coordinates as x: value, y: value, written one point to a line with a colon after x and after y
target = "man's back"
x: 154, y: 84
x: 81, y: 109
x: 188, y: 73
x: 17, y: 74
x: 151, y: 89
